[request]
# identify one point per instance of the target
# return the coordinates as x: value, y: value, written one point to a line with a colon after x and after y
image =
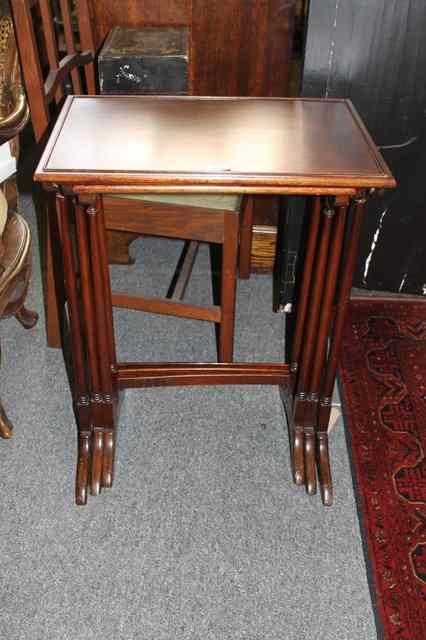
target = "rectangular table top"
x: 211, y: 142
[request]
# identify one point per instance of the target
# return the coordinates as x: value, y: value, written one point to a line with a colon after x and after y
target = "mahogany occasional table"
x: 132, y: 145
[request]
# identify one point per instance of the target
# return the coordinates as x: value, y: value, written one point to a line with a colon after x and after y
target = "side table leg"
x: 343, y: 295
x: 104, y: 335
x: 337, y: 217
x: 80, y: 382
x: 54, y: 294
x: 87, y: 294
x: 306, y: 400
x: 295, y: 428
x: 228, y: 288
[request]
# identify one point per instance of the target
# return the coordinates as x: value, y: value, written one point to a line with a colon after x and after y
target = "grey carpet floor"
x: 204, y: 535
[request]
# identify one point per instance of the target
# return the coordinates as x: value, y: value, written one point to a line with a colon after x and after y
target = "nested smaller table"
x: 131, y: 145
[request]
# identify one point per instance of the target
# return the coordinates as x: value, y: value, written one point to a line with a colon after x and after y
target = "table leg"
x: 342, y: 300
x: 54, y: 298
x: 317, y: 371
x: 105, y: 334
x: 313, y: 369
x: 228, y: 288
x: 89, y: 313
x: 295, y: 429
x: 305, y: 401
x: 81, y: 388
x: 101, y: 358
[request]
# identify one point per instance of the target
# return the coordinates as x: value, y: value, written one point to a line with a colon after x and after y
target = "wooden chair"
x: 15, y: 271
x: 194, y: 217
x: 15, y: 237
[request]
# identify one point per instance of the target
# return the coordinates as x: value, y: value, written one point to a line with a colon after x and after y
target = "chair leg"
x: 183, y: 270
x: 6, y: 427
x: 27, y: 318
x: 246, y: 237
x: 119, y: 246
x: 53, y: 323
x: 228, y: 288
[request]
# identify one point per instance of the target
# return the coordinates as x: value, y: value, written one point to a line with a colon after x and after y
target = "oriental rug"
x: 383, y: 389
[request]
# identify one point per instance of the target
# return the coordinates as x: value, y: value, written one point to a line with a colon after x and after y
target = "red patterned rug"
x: 383, y: 388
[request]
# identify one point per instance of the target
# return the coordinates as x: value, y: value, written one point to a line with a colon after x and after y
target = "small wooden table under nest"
x: 133, y: 145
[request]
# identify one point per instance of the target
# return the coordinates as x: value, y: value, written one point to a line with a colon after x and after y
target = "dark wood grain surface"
x: 242, y: 48
x: 211, y: 141
x: 134, y: 13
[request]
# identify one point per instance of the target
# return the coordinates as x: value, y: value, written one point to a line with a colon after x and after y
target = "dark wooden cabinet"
x: 372, y: 51
x: 238, y: 48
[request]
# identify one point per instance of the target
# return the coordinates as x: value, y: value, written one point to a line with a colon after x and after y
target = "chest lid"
x: 146, y: 42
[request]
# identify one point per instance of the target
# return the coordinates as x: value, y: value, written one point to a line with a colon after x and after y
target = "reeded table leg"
x: 296, y: 428
x: 81, y: 389
x: 87, y: 295
x: 96, y: 293
x: 338, y: 221
x: 342, y: 300
x: 306, y: 397
x: 110, y: 360
x: 313, y: 365
x: 83, y: 471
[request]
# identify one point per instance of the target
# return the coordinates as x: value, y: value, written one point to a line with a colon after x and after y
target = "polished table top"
x: 276, y: 142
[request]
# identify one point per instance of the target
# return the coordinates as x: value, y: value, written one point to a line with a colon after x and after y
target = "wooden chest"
x: 148, y: 60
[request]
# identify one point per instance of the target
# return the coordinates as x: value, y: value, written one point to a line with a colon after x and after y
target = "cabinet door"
x: 372, y: 51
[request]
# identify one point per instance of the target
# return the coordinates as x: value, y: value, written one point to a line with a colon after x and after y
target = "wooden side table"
x: 317, y: 148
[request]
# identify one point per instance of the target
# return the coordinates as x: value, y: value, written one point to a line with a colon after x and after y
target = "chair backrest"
x: 46, y: 66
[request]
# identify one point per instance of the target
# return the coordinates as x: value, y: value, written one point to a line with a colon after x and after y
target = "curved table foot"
x: 108, y: 460
x: 27, y: 318
x: 6, y: 428
x: 298, y: 455
x: 97, y: 463
x: 83, y: 465
x: 324, y: 470
x: 310, y: 466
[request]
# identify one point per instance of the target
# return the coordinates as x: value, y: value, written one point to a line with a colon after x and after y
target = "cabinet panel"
x: 242, y: 48
x: 135, y: 13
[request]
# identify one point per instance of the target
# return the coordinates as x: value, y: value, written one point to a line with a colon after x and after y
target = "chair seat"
x: 220, y: 201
